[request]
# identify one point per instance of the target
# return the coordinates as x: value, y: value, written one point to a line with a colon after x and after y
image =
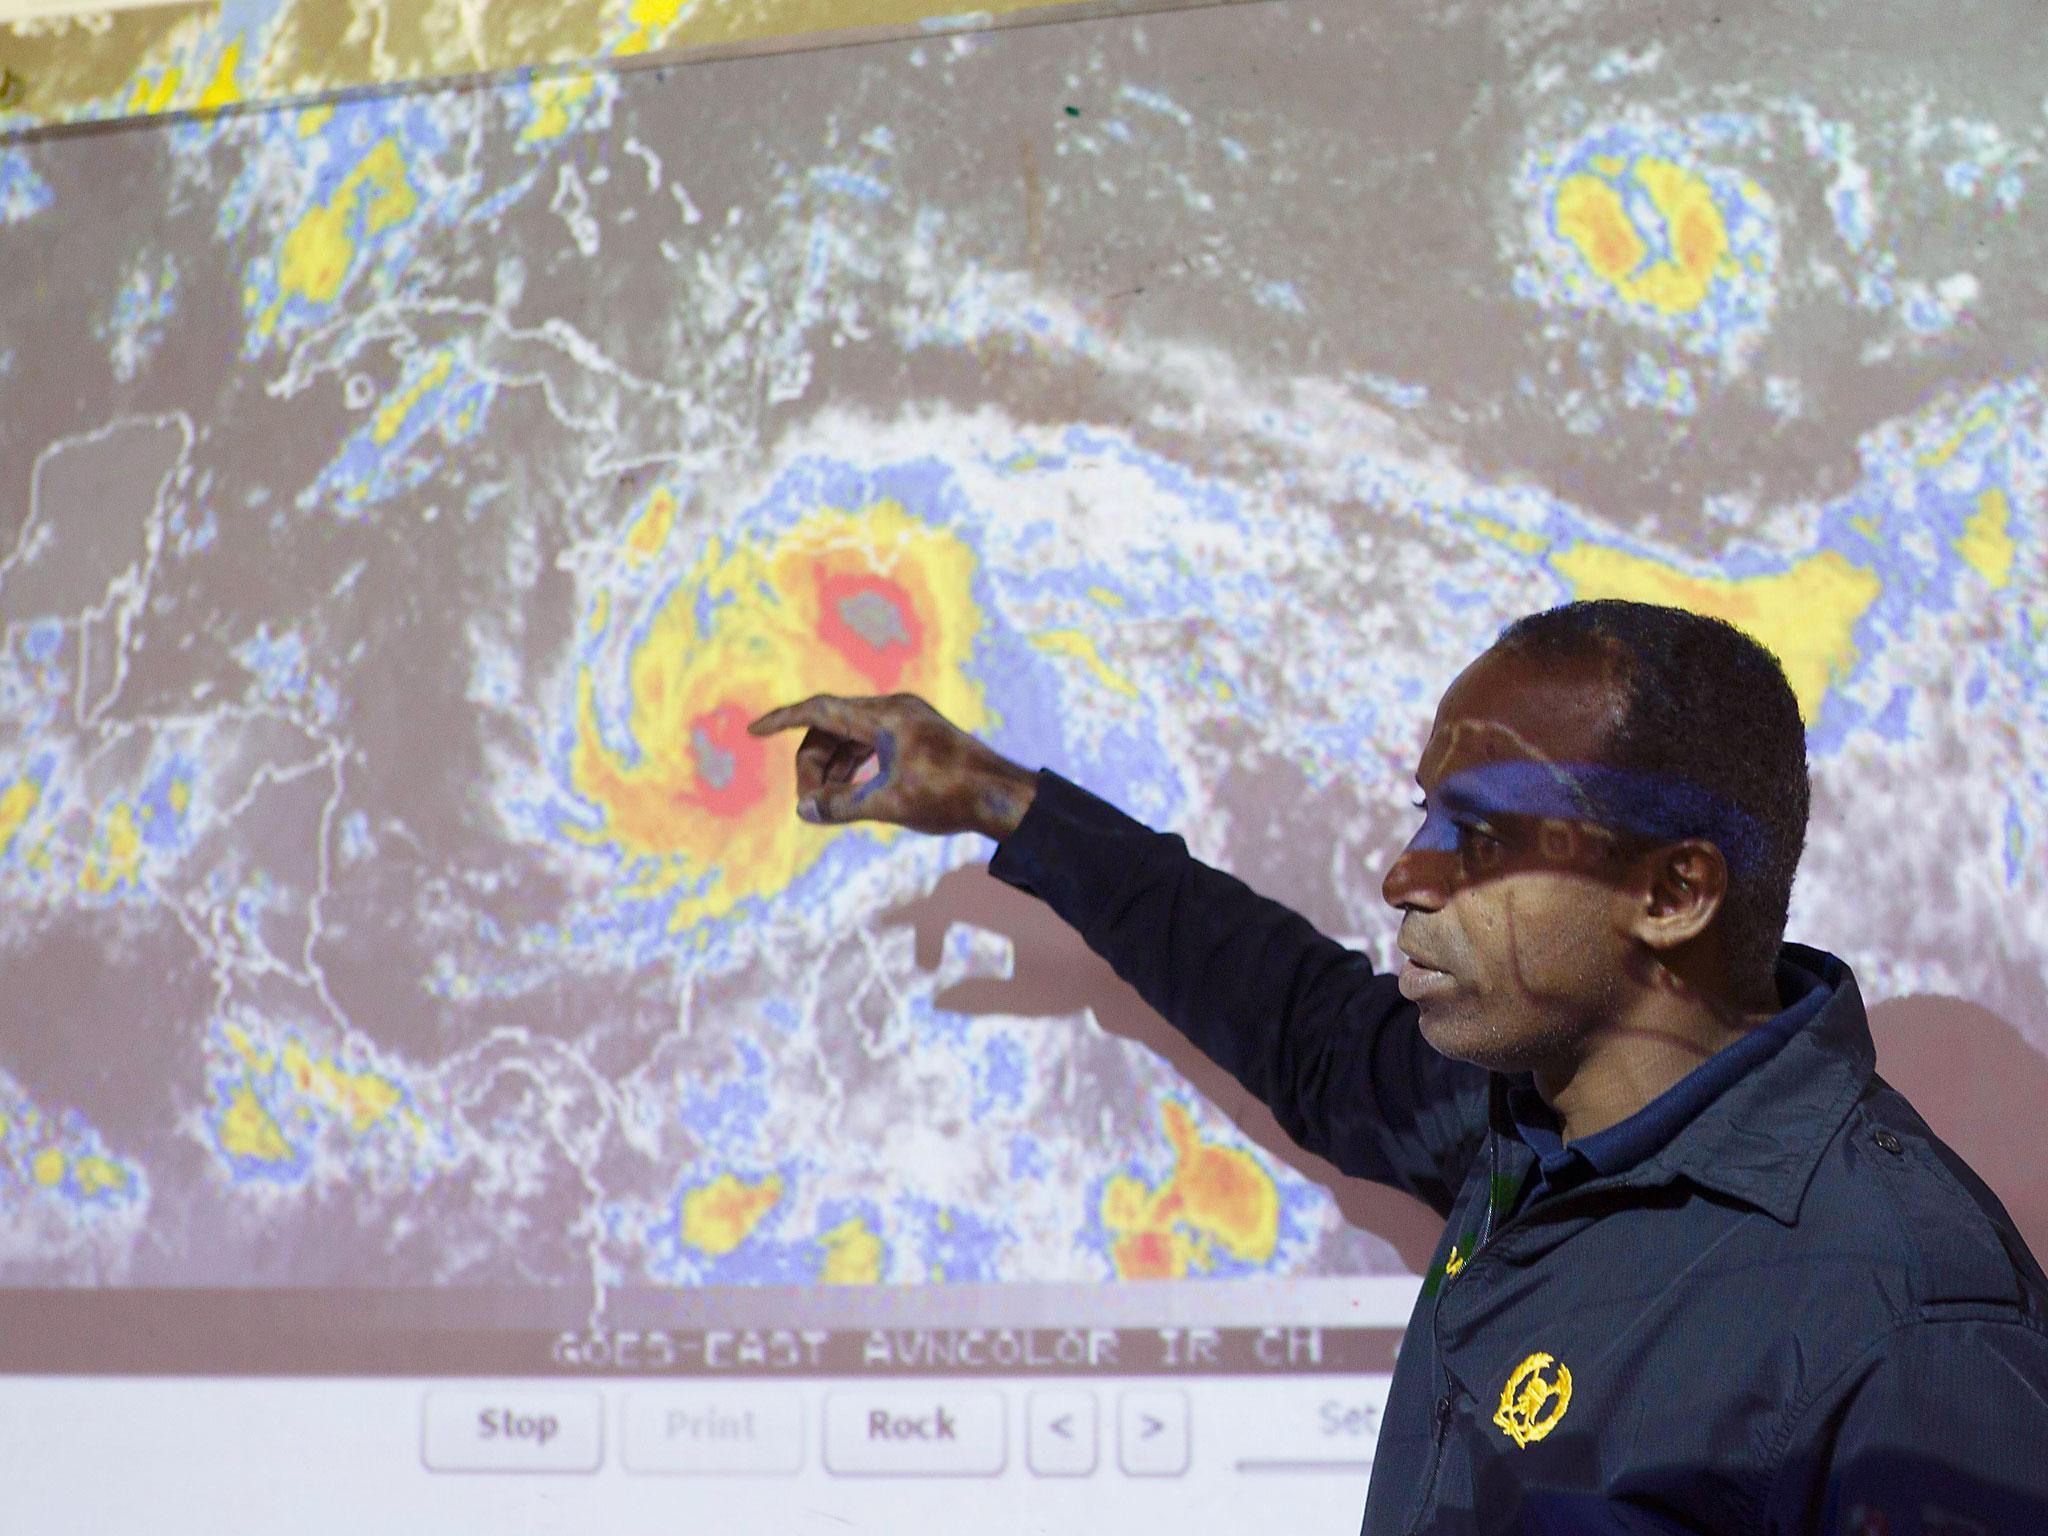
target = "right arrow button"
x: 1152, y: 1433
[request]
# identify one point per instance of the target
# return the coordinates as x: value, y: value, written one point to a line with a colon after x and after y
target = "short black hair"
x: 1702, y: 701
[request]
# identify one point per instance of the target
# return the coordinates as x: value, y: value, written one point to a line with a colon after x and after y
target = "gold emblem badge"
x: 1535, y: 1398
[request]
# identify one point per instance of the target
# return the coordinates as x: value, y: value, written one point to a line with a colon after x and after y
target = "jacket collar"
x: 1762, y: 1138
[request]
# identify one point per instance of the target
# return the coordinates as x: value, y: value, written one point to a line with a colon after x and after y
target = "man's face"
x: 1516, y: 903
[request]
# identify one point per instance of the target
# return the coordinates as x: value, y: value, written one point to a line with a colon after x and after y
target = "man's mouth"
x: 1419, y: 981
x: 1420, y: 962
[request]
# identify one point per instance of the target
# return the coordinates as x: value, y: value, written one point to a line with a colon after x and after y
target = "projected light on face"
x: 1521, y: 885
x: 1579, y: 806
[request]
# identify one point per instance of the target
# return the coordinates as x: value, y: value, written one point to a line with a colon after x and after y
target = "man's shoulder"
x: 1929, y: 1389
x: 1892, y: 1193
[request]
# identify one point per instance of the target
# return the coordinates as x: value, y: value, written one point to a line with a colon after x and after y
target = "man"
x: 1703, y: 1270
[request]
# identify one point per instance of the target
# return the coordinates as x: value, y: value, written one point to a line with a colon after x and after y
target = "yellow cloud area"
x: 1983, y: 419
x: 91, y: 1173
x: 391, y: 415
x: 1592, y: 214
x: 17, y: 801
x: 651, y: 24
x: 719, y: 1216
x: 1077, y: 646
x: 557, y: 103
x: 247, y: 1129
x: 859, y: 602
x: 314, y: 261
x: 187, y: 55
x: 1986, y: 545
x: 649, y: 534
x: 116, y: 855
x: 360, y: 1100
x: 647, y: 23
x: 168, y: 91
x: 853, y: 1254
x: 94, y: 1174
x: 1514, y: 538
x: 1215, y: 1197
x: 1804, y: 615
x: 50, y: 1166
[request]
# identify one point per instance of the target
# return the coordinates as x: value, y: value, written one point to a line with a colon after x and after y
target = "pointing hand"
x: 898, y: 760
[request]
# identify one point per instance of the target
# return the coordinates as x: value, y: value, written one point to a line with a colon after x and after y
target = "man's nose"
x: 1419, y: 878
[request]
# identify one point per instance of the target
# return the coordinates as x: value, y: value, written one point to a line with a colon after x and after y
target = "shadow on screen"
x: 1972, y: 1076
x: 1979, y: 1086
x: 1054, y: 974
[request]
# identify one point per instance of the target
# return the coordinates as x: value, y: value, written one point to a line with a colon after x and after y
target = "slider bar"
x: 1304, y: 1465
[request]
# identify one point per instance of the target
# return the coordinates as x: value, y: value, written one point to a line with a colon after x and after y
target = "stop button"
x: 513, y: 1431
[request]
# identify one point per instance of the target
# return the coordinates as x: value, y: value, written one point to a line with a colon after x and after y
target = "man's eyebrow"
x: 1492, y: 789
x: 1452, y: 796
x: 1459, y: 797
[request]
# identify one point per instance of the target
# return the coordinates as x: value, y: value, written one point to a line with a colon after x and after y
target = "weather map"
x: 406, y: 500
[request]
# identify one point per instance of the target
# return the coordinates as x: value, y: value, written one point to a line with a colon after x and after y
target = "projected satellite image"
x: 406, y: 501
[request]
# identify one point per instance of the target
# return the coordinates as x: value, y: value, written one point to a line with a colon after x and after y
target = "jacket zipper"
x: 1440, y: 1415
x: 1492, y: 1187
x: 1440, y: 1422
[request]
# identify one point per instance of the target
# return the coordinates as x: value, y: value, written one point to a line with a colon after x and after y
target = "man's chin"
x: 1447, y: 1028
x: 1456, y: 1030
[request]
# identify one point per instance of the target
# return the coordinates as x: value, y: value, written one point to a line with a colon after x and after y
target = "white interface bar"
x: 998, y: 1456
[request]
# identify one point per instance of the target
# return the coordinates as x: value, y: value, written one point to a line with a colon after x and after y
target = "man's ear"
x: 1681, y: 888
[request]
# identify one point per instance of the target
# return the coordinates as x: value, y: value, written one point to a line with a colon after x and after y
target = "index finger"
x: 821, y: 712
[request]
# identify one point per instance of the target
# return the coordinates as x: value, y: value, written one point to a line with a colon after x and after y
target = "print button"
x: 1152, y: 1434
x: 513, y: 1431
x: 915, y: 1432
x: 715, y: 1430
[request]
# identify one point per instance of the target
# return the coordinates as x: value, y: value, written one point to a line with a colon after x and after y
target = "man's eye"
x: 1466, y: 826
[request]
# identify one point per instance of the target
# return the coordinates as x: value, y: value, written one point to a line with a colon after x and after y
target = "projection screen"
x: 431, y: 1050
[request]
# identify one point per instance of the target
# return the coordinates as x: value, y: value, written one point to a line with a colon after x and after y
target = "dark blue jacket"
x: 1802, y: 1313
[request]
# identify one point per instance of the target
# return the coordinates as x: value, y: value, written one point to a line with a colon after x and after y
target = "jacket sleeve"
x: 1302, y: 1022
x: 1941, y: 1432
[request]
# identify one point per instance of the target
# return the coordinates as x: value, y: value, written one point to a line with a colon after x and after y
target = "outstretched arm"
x: 1304, y: 1023
x: 1301, y: 1021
